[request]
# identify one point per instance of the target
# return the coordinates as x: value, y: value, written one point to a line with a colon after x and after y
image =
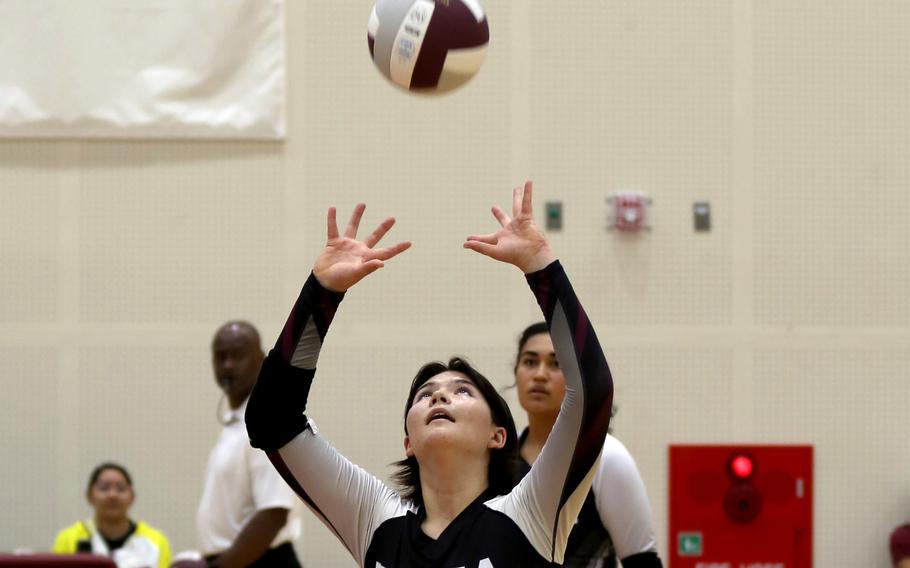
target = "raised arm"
x: 547, y: 501
x: 275, y: 412
x: 347, y: 499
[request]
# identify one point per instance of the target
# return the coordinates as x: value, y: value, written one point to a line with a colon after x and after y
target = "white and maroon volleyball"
x: 427, y: 46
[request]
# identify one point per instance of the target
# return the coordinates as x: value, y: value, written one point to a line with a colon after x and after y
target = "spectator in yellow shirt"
x: 111, y: 532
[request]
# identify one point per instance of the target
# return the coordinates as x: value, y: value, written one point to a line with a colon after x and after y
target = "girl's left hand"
x: 520, y: 241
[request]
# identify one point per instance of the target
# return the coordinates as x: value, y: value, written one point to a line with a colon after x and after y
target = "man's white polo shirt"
x: 240, y: 481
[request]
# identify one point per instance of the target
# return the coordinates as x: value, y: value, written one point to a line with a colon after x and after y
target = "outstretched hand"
x: 345, y: 261
x: 519, y: 241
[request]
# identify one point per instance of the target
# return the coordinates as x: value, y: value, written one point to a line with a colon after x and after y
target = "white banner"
x: 142, y: 68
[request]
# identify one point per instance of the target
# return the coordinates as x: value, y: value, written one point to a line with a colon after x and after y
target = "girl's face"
x: 538, y: 377
x: 449, y: 411
x: 111, y: 495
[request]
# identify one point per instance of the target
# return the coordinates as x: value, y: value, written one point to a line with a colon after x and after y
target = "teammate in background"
x: 458, y: 506
x: 247, y: 516
x: 615, y: 521
x: 111, y: 532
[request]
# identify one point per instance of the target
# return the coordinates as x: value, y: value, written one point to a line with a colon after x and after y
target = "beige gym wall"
x: 788, y: 322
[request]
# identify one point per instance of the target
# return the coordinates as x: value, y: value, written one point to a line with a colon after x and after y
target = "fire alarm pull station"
x: 629, y: 211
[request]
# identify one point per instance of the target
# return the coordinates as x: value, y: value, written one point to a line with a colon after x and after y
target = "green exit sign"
x: 690, y: 544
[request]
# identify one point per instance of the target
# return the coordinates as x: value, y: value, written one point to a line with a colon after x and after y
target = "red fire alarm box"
x: 629, y: 211
x: 740, y: 506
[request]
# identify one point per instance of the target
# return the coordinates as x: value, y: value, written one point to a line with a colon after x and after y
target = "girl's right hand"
x: 345, y: 261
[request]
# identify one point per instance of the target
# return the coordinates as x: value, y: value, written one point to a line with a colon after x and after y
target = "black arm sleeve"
x: 547, y: 501
x: 572, y: 332
x: 275, y: 413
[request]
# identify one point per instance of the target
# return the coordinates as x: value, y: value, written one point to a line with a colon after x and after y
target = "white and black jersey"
x: 615, y: 521
x: 527, y: 527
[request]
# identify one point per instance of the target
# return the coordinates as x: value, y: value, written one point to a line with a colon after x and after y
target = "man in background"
x: 248, y: 515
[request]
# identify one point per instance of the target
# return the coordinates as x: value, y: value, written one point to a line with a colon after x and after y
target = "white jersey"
x: 615, y: 520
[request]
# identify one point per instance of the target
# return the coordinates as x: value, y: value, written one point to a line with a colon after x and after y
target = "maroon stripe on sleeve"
x: 314, y: 301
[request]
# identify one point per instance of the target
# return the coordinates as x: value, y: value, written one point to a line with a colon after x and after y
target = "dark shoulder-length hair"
x: 101, y: 468
x: 503, y: 470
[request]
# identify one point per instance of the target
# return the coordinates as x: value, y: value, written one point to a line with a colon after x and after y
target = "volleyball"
x: 426, y: 46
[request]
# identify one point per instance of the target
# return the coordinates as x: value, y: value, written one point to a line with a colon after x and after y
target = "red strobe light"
x: 741, y: 466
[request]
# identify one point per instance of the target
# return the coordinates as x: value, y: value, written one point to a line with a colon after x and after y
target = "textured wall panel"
x: 831, y: 169
x: 638, y: 97
x: 153, y: 409
x: 28, y: 232
x: 839, y: 401
x: 181, y: 232
x: 28, y: 438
